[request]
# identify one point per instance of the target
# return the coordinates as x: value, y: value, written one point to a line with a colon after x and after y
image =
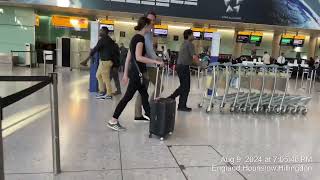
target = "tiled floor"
x: 215, y: 146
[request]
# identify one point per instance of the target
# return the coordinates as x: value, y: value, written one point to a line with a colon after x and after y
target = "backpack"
x: 115, y: 55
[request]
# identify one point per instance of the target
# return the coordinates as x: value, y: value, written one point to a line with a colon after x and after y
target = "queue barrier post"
x: 55, y: 123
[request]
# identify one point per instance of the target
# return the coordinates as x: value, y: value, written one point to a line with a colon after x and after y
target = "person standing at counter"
x: 266, y: 58
x: 281, y: 60
x: 187, y: 55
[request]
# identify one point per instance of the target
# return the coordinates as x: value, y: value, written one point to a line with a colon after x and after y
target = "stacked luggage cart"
x: 246, y: 88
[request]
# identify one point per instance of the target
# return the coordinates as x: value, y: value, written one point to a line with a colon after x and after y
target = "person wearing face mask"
x: 138, y: 59
x: 104, y: 48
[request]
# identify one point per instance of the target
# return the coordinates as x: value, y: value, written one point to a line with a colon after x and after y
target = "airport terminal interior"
x: 254, y: 93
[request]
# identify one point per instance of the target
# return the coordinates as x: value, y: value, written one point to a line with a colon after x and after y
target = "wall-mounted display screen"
x: 197, y: 35
x: 243, y: 38
x: 286, y: 41
x: 255, y: 39
x: 208, y: 36
x: 298, y: 42
x: 292, y: 40
x: 109, y: 26
x: 160, y: 32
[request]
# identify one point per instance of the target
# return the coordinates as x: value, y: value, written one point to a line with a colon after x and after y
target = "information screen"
x: 160, y: 32
x: 298, y: 42
x: 255, y: 39
x: 197, y: 35
x: 286, y: 41
x: 109, y: 26
x: 208, y: 36
x: 243, y: 38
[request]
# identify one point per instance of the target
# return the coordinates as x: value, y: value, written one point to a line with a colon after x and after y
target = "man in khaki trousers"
x: 104, y: 81
x: 105, y: 49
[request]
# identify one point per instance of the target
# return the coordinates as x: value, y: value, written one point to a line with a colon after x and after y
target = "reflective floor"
x: 215, y: 146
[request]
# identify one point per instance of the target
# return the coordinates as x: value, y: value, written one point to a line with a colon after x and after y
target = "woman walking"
x: 136, y: 56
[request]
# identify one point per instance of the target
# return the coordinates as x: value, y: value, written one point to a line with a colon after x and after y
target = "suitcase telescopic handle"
x: 161, y: 81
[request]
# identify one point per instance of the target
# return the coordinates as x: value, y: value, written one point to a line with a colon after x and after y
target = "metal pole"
x: 1, y: 143
x: 311, y: 78
x: 55, y: 124
x: 297, y: 76
x: 314, y: 77
x: 199, y: 69
x: 44, y: 64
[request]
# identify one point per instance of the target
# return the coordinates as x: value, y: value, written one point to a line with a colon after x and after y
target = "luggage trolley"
x: 212, y: 85
x: 242, y: 103
x: 259, y: 88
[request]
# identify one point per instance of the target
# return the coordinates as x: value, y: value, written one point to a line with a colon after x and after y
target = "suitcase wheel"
x: 170, y: 133
x: 150, y: 135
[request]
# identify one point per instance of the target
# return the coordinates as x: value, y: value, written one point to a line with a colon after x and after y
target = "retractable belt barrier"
x: 13, y: 98
x: 6, y: 101
x: 25, y: 78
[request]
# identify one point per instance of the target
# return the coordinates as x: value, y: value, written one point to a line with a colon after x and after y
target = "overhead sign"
x: 210, y: 30
x: 106, y: 21
x: 256, y: 33
x: 160, y: 30
x: 208, y: 33
x: 292, y: 13
x: 161, y: 26
x: 77, y: 23
x: 288, y: 36
x: 252, y: 37
x: 292, y: 40
x: 246, y: 33
x: 300, y: 37
x: 197, y: 29
x: 37, y: 20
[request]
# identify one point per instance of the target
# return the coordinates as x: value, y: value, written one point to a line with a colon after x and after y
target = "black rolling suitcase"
x: 163, y: 114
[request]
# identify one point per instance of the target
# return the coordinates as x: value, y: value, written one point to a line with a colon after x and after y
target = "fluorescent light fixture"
x: 63, y: 3
x: 74, y: 22
x: 178, y: 27
x: 126, y: 22
x: 1, y: 11
x: 226, y: 30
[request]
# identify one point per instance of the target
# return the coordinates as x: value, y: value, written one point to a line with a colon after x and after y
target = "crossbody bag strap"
x: 136, y: 64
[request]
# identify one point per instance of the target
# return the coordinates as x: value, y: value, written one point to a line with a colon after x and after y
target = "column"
x: 237, y: 48
x: 276, y: 44
x: 312, y: 45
